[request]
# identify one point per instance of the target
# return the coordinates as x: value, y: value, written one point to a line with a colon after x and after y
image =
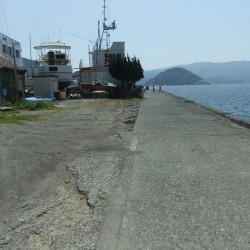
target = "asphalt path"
x: 187, y: 184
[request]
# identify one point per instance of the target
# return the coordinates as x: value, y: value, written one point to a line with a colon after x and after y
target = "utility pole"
x: 15, y: 73
x: 31, y: 62
x: 0, y: 88
x: 80, y: 70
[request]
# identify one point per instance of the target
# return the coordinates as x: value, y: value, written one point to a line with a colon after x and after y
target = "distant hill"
x: 229, y: 72
x: 28, y: 62
x: 176, y: 76
x: 150, y: 74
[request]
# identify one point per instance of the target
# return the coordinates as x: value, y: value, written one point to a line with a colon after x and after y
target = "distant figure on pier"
x: 160, y: 89
x: 153, y: 88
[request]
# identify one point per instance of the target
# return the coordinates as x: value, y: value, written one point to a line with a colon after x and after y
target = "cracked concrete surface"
x: 57, y: 173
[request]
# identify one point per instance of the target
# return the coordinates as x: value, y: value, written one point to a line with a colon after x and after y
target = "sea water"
x: 228, y: 98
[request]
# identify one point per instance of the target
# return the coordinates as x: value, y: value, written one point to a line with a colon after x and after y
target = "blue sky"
x: 161, y: 33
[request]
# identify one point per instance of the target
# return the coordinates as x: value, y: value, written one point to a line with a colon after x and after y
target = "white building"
x: 10, y: 47
x: 99, y: 64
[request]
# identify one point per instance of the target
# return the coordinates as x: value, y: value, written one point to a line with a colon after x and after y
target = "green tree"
x: 127, y: 70
x: 136, y: 71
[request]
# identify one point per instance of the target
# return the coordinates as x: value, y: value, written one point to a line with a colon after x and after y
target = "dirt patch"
x: 58, y: 173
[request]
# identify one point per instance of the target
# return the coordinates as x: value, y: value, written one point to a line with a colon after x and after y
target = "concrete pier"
x: 187, y: 185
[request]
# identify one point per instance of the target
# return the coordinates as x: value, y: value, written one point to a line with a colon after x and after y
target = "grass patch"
x: 12, y: 117
x: 36, y: 106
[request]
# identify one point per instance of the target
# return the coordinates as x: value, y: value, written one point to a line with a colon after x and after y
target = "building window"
x: 18, y: 53
x: 9, y: 50
x: 4, y: 48
x: 52, y: 68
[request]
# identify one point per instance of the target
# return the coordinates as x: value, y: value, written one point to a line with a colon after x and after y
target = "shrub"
x: 34, y: 106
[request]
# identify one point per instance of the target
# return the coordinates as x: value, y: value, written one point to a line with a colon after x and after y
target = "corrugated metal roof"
x: 7, y: 64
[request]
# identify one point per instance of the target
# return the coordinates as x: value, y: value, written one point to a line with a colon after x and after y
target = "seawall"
x: 188, y: 182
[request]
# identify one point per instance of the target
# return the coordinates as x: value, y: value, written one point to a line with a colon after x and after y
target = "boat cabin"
x: 54, y: 60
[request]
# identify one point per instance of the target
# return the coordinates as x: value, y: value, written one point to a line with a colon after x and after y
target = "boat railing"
x: 62, y: 61
x: 43, y: 57
x: 44, y: 61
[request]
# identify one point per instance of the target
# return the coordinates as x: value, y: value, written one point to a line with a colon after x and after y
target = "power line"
x: 80, y: 37
x: 4, y: 19
x: 1, y: 24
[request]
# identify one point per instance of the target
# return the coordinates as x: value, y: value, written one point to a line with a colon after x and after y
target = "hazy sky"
x: 161, y: 33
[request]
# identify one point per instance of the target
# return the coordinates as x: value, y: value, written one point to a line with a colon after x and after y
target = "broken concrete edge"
x: 233, y: 118
x: 85, y: 193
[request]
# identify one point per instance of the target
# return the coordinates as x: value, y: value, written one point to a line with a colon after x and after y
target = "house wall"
x: 9, y: 88
x: 45, y: 86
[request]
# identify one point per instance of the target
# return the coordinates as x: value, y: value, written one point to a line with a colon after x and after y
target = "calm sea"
x: 229, y: 98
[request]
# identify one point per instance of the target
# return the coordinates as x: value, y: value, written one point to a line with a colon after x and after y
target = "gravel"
x: 57, y: 174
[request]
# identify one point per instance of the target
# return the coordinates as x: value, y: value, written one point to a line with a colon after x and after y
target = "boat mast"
x: 105, y: 31
x: 106, y: 28
x: 104, y: 24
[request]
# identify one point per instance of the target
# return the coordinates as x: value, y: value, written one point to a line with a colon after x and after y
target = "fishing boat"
x: 54, y: 60
x: 99, y: 55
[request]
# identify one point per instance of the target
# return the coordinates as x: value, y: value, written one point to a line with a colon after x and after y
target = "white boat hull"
x: 63, y: 72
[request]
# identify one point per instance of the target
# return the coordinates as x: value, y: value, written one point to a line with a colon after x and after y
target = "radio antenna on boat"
x: 106, y: 28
